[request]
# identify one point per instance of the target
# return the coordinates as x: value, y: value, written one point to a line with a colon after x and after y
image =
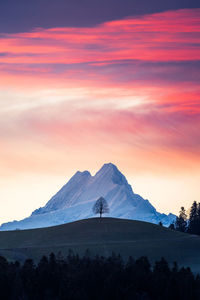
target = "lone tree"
x: 100, y: 207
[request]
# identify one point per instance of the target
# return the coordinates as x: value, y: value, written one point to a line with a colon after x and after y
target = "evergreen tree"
x: 171, y: 226
x: 198, y: 210
x: 193, y: 211
x: 194, y: 219
x: 181, y: 221
x: 98, y: 278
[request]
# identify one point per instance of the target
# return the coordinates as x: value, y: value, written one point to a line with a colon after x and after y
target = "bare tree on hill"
x: 101, y: 207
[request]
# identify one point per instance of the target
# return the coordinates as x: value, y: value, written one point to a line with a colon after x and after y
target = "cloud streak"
x: 131, y: 83
x: 167, y: 36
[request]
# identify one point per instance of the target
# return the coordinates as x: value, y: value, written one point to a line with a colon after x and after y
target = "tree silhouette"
x: 194, y: 219
x: 171, y: 226
x: 53, y: 278
x: 181, y: 221
x: 100, y: 207
x: 193, y: 211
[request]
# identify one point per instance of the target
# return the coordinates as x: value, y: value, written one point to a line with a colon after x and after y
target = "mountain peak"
x: 109, y: 166
x: 80, y: 175
x: 110, y: 171
x: 84, y: 173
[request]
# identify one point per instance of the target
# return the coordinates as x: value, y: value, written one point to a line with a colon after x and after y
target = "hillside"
x: 126, y: 237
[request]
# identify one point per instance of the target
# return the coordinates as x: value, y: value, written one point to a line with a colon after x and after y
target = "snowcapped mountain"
x: 75, y: 201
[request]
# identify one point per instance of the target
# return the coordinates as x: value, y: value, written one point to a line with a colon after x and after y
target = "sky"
x: 83, y: 83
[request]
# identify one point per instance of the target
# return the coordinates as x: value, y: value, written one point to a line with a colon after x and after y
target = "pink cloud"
x: 123, y: 110
x: 148, y: 137
x: 160, y: 37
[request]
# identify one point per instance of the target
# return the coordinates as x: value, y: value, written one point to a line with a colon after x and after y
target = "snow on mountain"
x: 75, y: 201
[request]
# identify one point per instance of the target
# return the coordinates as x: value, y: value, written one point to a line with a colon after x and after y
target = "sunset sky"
x: 102, y: 83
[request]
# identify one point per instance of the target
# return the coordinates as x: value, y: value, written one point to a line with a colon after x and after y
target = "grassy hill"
x: 126, y: 237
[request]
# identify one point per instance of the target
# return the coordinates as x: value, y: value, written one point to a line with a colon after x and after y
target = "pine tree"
x: 171, y: 226
x: 194, y: 219
x: 193, y: 211
x: 181, y: 221
x: 198, y: 210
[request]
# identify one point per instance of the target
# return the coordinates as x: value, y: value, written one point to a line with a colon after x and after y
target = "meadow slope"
x: 122, y: 236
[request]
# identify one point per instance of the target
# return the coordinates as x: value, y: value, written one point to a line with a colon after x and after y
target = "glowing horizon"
x: 125, y: 91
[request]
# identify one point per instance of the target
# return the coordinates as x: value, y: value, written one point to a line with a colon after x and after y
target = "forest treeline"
x: 97, y: 278
x: 189, y: 224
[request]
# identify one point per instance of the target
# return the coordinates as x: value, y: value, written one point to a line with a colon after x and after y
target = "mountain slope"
x: 126, y: 237
x: 76, y: 199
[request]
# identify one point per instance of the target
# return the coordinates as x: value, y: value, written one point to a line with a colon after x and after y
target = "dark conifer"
x: 171, y: 226
x: 193, y: 211
x: 96, y: 278
x: 194, y: 219
x: 181, y: 221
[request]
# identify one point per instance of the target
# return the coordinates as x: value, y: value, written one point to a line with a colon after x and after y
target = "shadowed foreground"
x: 127, y: 237
x: 85, y: 278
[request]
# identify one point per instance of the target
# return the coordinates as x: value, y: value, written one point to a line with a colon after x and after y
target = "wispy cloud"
x: 130, y: 86
x: 172, y: 35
